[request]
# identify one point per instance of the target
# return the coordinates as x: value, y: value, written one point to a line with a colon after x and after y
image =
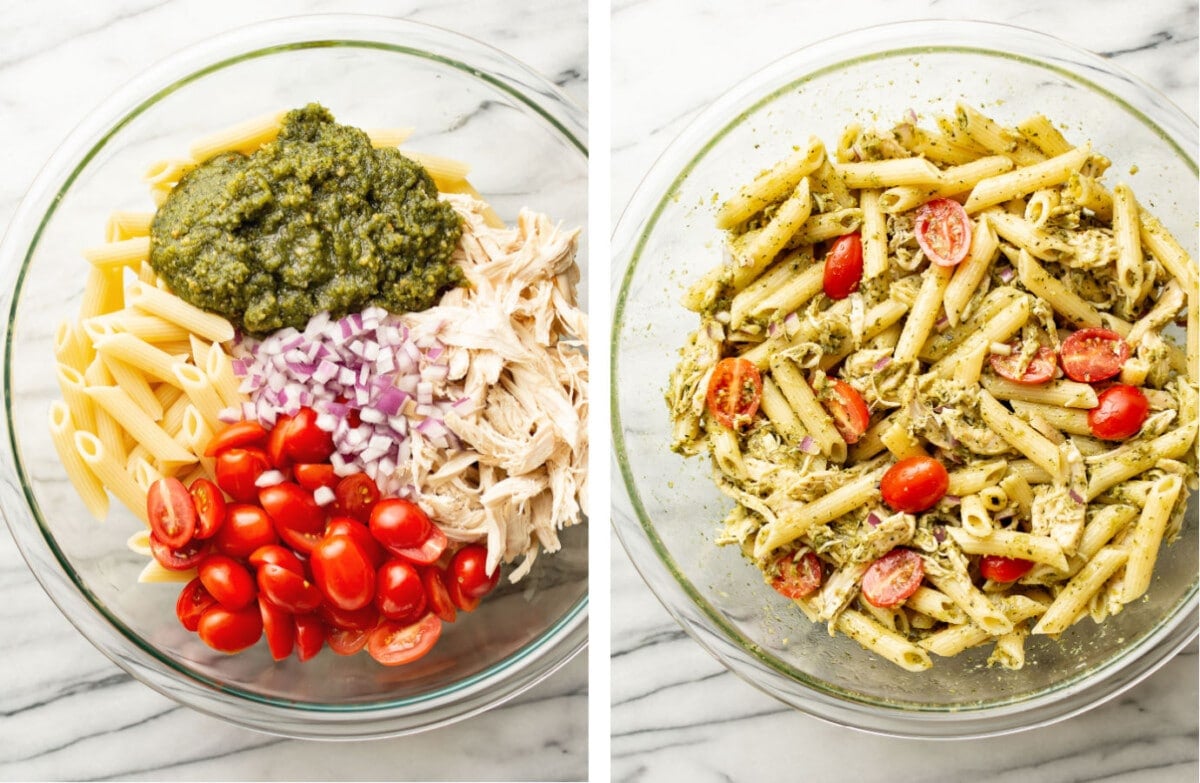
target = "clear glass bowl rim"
x: 500, y: 681
x: 635, y: 529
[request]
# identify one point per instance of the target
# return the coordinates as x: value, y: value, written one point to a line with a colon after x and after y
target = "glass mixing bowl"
x: 526, y: 145
x: 669, y: 513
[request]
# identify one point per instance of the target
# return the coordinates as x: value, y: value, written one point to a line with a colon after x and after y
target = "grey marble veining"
x: 677, y: 714
x: 66, y: 712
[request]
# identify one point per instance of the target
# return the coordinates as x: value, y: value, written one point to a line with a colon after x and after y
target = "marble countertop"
x: 677, y: 714
x: 66, y: 711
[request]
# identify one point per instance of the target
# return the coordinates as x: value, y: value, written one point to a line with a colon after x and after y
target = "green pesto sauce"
x: 317, y: 220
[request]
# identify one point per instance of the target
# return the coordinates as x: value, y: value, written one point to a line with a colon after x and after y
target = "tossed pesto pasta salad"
x: 938, y: 374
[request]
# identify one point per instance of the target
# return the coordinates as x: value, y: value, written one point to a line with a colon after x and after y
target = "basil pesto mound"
x: 316, y: 220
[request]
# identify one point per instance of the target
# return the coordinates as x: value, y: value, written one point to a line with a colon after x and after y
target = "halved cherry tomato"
x: 178, y: 558
x: 345, y: 526
x: 393, y: 643
x: 274, y: 554
x: 245, y: 529
x: 171, y: 511
x: 798, y: 576
x: 298, y: 520
x: 228, y: 581
x: 848, y: 409
x: 277, y: 442
x: 999, y: 568
x: 1120, y: 412
x: 734, y: 392
x: 1039, y: 370
x: 943, y: 231
x: 287, y: 589
x: 348, y: 641
x: 363, y: 619
x: 210, y: 507
x: 356, y: 495
x: 343, y: 572
x: 311, y: 475
x: 429, y: 550
x: 398, y: 523
x: 310, y: 636
x: 278, y: 627
x: 1091, y: 354
x: 229, y: 630
x: 893, y: 577
x: 399, y: 594
x: 193, y: 600
x: 914, y: 484
x: 843, y: 266
x: 305, y: 441
x: 236, y: 436
x: 440, y: 603
x: 468, y: 568
x: 238, y: 469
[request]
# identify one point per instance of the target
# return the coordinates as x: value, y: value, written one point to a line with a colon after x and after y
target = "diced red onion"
x: 884, y: 362
x: 951, y: 500
x: 230, y: 415
x: 1076, y: 497
x: 939, y: 533
x: 1006, y: 273
x: 873, y: 519
x: 808, y: 445
x: 268, y: 478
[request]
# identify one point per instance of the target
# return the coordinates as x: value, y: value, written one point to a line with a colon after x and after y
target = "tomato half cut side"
x: 236, y: 436
x: 181, y: 558
x: 356, y: 495
x: 848, y: 410
x: 193, y: 600
x: 999, y: 568
x: 943, y: 231
x: 347, y: 641
x: 843, y: 268
x: 914, y: 484
x: 395, y: 644
x: 1039, y: 369
x: 430, y: 549
x: 734, y: 392
x: 171, y: 512
x: 893, y: 578
x: 210, y: 507
x: 1091, y: 355
x: 1120, y: 412
x: 798, y: 576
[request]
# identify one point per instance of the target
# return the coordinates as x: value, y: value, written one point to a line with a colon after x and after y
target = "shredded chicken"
x: 517, y: 342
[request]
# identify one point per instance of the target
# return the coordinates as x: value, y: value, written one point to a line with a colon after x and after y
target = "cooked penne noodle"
x: 127, y: 225
x: 244, y: 137
x: 1146, y: 536
x: 111, y: 474
x: 90, y: 489
x: 771, y: 185
x: 118, y: 404
x: 1061, y: 393
x: 172, y: 308
x: 113, y: 256
x: 851, y: 495
x: 1024, y: 180
x: 1070, y: 602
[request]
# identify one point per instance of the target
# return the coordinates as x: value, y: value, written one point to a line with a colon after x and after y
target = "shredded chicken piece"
x: 516, y: 342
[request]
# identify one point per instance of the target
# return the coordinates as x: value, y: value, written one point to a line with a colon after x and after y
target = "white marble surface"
x: 66, y: 712
x: 677, y: 714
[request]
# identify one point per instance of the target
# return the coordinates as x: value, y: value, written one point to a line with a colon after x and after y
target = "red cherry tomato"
x: 798, y: 576
x: 287, y: 589
x: 348, y: 641
x: 1003, y: 569
x: 399, y: 524
x: 228, y: 581
x: 440, y: 603
x: 734, y: 392
x: 278, y: 627
x: 355, y: 496
x: 274, y: 554
x: 893, y: 578
x: 305, y: 441
x: 429, y: 550
x: 345, y: 526
x: 178, y: 558
x: 363, y: 619
x: 343, y: 572
x: 914, y: 484
x: 245, y: 529
x: 1039, y: 370
x: 311, y: 475
x: 310, y: 636
x: 843, y: 266
x: 848, y: 409
x: 1120, y: 412
x: 171, y: 511
x: 399, y: 593
x: 1091, y: 355
x: 943, y: 231
x: 393, y: 643
x: 210, y: 507
x: 298, y: 520
x: 229, y: 630
x: 468, y: 568
x: 192, y: 602
x: 238, y: 469
x: 236, y: 436
x: 277, y: 442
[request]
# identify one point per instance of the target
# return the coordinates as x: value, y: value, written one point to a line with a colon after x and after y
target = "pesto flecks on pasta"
x: 938, y: 373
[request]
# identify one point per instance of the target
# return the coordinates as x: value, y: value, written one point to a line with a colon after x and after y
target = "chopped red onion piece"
x: 1076, y: 497
x: 873, y: 519
x: 808, y: 445
x: 268, y: 478
x: 951, y: 500
x: 884, y: 362
x: 230, y: 415
x: 1006, y: 273
x: 939, y: 533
